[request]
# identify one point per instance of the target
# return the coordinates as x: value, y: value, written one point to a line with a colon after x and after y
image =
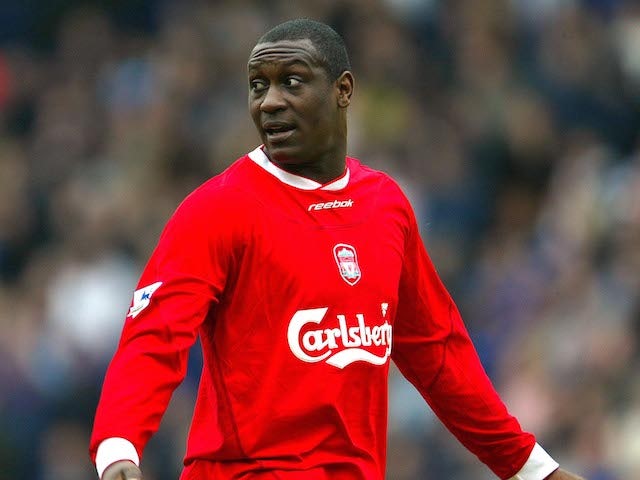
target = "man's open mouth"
x: 277, y: 132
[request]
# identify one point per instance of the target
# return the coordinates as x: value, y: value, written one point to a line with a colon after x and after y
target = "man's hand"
x: 560, y: 474
x: 123, y: 470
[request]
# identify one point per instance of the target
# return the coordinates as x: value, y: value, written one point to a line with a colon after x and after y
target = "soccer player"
x: 304, y: 274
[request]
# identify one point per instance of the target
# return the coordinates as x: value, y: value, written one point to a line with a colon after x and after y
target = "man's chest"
x: 329, y: 255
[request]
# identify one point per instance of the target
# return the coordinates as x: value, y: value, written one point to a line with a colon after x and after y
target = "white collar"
x: 259, y: 157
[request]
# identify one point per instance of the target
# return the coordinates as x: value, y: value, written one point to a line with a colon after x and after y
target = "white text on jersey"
x: 339, y: 346
x: 332, y: 204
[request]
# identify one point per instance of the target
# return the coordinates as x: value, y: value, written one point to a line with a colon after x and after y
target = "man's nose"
x: 273, y: 100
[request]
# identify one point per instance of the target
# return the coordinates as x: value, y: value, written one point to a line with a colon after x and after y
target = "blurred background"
x: 512, y: 125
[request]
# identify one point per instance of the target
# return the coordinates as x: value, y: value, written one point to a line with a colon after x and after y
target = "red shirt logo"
x: 347, y: 261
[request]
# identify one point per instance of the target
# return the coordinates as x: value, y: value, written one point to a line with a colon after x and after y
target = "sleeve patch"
x: 142, y: 299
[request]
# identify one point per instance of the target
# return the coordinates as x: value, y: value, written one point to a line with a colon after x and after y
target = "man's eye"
x: 257, y: 85
x: 292, y: 82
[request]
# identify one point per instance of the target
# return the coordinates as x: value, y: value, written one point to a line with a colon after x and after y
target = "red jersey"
x: 301, y: 294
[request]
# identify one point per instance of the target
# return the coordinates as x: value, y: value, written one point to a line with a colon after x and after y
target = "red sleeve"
x: 433, y: 351
x: 183, y: 278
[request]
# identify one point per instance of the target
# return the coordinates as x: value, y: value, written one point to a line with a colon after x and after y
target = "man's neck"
x: 322, y: 171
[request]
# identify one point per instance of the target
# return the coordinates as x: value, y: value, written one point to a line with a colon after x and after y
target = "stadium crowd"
x: 513, y: 125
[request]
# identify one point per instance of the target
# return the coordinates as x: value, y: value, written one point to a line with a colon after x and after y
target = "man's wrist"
x: 112, y: 450
x: 538, y: 467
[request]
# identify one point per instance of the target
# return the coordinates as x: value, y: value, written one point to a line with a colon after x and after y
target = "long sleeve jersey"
x: 301, y: 294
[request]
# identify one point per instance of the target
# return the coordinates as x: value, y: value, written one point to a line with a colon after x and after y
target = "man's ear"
x: 344, y: 84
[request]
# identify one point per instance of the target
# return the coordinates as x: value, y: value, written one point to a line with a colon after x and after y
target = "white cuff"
x: 539, y: 466
x: 113, y: 449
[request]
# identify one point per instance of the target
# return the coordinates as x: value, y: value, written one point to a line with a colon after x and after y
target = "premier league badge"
x: 347, y: 260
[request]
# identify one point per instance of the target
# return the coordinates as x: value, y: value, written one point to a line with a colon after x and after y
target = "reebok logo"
x: 330, y: 205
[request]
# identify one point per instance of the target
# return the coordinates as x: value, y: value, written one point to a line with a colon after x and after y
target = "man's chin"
x: 283, y: 154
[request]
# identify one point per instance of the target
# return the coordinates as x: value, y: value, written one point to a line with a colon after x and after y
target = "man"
x: 303, y: 273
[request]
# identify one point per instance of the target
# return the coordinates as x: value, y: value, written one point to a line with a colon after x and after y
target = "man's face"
x: 294, y: 103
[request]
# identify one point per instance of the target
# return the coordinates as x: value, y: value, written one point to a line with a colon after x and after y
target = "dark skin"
x: 122, y: 470
x: 299, y: 111
x: 301, y: 116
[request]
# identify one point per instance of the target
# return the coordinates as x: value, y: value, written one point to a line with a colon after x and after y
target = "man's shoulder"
x: 365, y: 174
x: 226, y: 191
x: 234, y: 180
x: 218, y: 207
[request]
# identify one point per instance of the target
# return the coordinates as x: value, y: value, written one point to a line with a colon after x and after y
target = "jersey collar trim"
x: 260, y: 158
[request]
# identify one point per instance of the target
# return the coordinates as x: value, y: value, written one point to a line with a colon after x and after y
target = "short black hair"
x: 327, y: 41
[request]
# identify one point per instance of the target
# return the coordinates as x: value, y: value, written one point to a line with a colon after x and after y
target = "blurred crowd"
x: 513, y: 125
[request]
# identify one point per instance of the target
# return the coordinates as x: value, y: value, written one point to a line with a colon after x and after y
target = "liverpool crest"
x: 347, y: 260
